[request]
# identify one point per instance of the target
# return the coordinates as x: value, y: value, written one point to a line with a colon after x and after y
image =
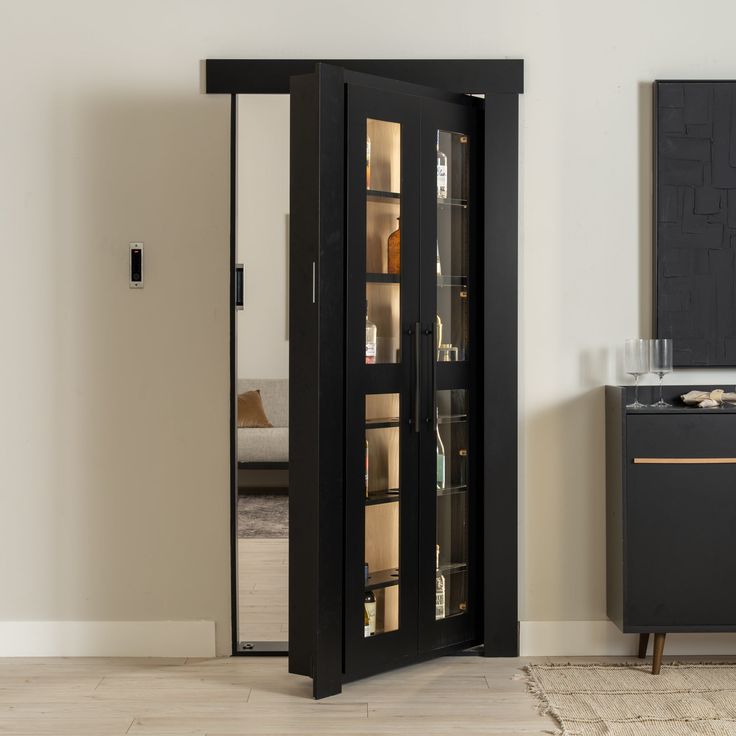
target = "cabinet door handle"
x: 435, y: 347
x: 417, y: 373
x: 685, y: 461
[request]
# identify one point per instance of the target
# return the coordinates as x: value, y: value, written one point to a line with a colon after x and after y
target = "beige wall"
x: 263, y: 206
x: 107, y: 139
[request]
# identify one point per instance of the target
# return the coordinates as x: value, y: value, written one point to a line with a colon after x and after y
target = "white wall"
x: 262, y: 227
x: 106, y: 139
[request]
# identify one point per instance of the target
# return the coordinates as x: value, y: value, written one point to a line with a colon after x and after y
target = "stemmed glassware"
x: 636, y: 363
x: 660, y: 361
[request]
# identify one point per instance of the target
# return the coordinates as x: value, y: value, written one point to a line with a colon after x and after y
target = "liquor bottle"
x: 440, y: 454
x: 439, y: 265
x: 369, y: 613
x: 440, y: 609
x: 371, y: 334
x: 366, y: 468
x: 394, y: 249
x: 441, y: 171
x: 368, y: 162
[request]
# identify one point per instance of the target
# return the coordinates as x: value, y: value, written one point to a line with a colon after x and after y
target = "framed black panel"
x: 695, y: 220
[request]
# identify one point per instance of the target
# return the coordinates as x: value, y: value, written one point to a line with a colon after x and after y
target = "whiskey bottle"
x: 441, y: 171
x: 440, y: 609
x: 440, y: 454
x: 369, y: 613
x: 394, y: 249
x: 439, y: 264
x: 371, y: 333
x: 368, y: 162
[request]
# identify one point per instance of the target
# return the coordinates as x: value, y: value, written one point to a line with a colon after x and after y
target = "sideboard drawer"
x: 704, y: 435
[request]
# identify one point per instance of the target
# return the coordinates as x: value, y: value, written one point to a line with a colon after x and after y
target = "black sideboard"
x: 671, y: 516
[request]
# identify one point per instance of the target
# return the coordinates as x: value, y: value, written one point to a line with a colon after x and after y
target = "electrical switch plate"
x: 136, y: 265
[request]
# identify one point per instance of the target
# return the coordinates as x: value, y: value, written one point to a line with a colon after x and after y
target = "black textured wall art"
x: 695, y: 216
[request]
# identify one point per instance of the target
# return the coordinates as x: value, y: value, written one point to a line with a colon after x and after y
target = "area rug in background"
x: 627, y: 700
x: 263, y: 516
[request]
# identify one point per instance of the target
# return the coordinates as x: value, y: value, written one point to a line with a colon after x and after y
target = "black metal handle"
x: 239, y: 295
x: 435, y: 347
x: 417, y: 373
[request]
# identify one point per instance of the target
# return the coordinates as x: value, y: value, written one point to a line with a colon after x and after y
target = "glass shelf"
x: 382, y: 423
x: 375, y: 195
x: 452, y: 281
x: 376, y: 497
x: 452, y: 490
x: 452, y: 418
x: 453, y: 567
x: 383, y: 278
x: 382, y: 579
x: 451, y: 202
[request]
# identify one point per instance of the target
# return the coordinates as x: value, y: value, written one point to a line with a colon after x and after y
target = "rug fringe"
x: 546, y: 707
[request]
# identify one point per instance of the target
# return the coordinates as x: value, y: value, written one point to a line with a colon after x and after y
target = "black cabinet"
x: 390, y: 493
x: 671, y: 515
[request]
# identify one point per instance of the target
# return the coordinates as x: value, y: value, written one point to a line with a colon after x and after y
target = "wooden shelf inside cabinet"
x: 452, y: 202
x: 375, y: 195
x: 382, y: 579
x: 452, y: 418
x: 382, y: 423
x: 383, y: 278
x: 452, y: 281
x: 452, y: 490
x: 376, y: 497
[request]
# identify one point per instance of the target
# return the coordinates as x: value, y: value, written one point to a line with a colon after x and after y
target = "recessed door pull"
x: 314, y: 282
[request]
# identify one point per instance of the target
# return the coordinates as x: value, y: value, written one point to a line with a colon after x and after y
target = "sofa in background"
x: 266, y: 448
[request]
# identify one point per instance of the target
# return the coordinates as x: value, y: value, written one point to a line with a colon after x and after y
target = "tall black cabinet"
x: 403, y: 275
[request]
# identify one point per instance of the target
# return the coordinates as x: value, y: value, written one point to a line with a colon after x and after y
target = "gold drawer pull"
x: 685, y: 461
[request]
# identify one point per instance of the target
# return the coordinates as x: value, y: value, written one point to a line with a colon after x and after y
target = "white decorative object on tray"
x: 709, y: 399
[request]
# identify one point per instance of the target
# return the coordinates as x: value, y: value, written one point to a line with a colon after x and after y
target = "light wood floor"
x: 263, y: 567
x: 249, y: 695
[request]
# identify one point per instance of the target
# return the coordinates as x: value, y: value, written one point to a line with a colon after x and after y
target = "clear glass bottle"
x: 394, y: 249
x: 368, y: 162
x: 371, y: 337
x: 441, y: 171
x: 440, y: 609
x: 440, y: 455
x: 369, y: 613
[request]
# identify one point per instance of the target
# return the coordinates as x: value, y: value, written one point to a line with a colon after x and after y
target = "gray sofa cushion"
x: 274, y: 394
x: 266, y: 445
x: 263, y: 445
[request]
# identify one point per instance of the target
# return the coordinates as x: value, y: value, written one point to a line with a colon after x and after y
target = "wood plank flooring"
x: 263, y: 567
x: 249, y: 695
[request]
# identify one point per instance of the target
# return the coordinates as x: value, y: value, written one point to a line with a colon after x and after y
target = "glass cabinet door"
x: 383, y: 282
x: 447, y: 478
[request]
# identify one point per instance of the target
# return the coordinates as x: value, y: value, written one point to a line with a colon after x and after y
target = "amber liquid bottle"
x: 394, y: 249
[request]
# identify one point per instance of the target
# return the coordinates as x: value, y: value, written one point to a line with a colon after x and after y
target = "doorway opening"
x: 261, y: 337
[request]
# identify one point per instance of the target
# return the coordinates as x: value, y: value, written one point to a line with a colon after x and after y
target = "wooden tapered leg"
x: 658, y: 652
x: 643, y: 643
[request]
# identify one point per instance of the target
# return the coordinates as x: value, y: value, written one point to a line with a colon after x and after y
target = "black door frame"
x: 501, y: 81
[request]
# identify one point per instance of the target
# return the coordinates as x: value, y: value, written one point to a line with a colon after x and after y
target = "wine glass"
x: 636, y: 363
x: 660, y: 361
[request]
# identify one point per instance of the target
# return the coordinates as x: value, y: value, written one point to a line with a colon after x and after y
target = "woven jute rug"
x: 627, y: 700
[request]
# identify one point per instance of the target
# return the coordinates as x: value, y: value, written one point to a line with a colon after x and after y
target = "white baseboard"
x: 107, y: 638
x: 602, y: 638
